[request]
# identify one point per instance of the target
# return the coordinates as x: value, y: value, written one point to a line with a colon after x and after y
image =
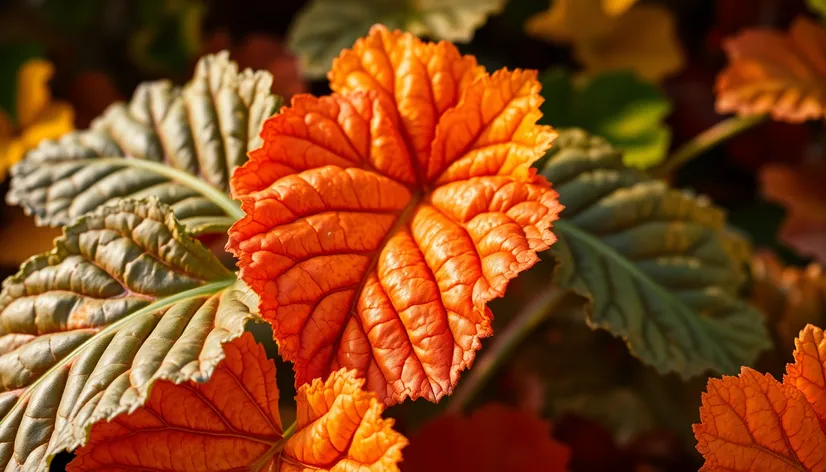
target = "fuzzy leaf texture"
x: 618, y: 106
x: 325, y: 27
x: 124, y: 299
x: 656, y: 264
x: 383, y: 218
x: 204, y: 128
x: 494, y: 438
x: 232, y: 423
x: 773, y: 72
x: 754, y: 423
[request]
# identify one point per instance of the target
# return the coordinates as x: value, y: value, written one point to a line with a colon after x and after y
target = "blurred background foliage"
x: 639, y: 73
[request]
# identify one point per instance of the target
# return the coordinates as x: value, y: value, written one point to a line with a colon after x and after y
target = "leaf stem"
x: 706, y: 140
x: 525, y: 322
x: 221, y: 199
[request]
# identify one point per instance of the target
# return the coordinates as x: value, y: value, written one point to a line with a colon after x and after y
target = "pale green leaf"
x: 657, y: 265
x: 124, y: 299
x: 619, y: 106
x: 325, y: 27
x: 204, y: 129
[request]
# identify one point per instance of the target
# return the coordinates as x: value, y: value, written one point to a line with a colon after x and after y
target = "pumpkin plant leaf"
x: 657, y: 265
x: 424, y: 210
x: 775, y: 72
x: 232, y: 423
x: 203, y: 129
x: 754, y: 419
x: 619, y: 106
x: 124, y: 299
x: 494, y: 438
x: 325, y: 27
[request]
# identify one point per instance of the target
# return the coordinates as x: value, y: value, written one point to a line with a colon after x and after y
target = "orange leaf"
x: 495, y: 438
x: 752, y: 422
x: 774, y: 72
x: 382, y: 219
x: 800, y: 189
x: 231, y: 423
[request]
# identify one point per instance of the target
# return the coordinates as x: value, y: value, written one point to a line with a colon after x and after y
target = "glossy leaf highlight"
x: 124, y: 299
x: 232, y: 423
x: 657, y: 265
x: 774, y: 72
x: 382, y: 219
x: 204, y: 128
x: 752, y: 422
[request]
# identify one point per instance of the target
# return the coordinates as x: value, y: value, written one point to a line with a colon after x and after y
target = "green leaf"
x: 204, y: 129
x: 124, y: 299
x: 818, y: 6
x: 658, y: 266
x: 619, y: 106
x: 325, y: 27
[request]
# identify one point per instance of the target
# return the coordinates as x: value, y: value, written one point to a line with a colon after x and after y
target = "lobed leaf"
x: 231, y: 423
x: 124, y: 299
x: 777, y: 73
x: 752, y: 422
x: 204, y: 129
x: 656, y: 264
x: 325, y: 27
x: 379, y: 224
x: 494, y: 438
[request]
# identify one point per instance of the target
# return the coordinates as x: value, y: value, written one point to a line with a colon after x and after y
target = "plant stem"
x: 209, y: 225
x: 221, y: 199
x: 706, y: 140
x: 525, y: 322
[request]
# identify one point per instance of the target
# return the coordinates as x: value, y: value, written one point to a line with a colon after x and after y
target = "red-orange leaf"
x: 752, y: 422
x: 777, y: 73
x: 495, y: 438
x: 231, y: 423
x: 382, y: 219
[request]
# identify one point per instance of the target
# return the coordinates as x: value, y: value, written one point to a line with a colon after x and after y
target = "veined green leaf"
x: 325, y: 27
x: 657, y: 265
x: 124, y: 299
x: 619, y: 106
x: 204, y: 129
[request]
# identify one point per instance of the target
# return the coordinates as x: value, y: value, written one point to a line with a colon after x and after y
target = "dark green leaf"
x: 658, y: 266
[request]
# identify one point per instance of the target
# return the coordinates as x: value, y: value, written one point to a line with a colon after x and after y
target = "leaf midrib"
x: 203, y: 290
x: 612, y: 254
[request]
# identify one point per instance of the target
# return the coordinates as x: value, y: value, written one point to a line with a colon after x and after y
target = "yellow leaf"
x: 613, y: 35
x: 617, y: 7
x: 33, y: 90
x: 38, y: 117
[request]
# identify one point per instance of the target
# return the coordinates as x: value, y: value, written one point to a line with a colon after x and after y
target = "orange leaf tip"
x: 752, y: 422
x: 231, y: 423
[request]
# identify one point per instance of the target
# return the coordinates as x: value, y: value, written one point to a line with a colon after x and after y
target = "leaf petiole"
x: 219, y: 198
x: 525, y: 322
x: 706, y: 140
